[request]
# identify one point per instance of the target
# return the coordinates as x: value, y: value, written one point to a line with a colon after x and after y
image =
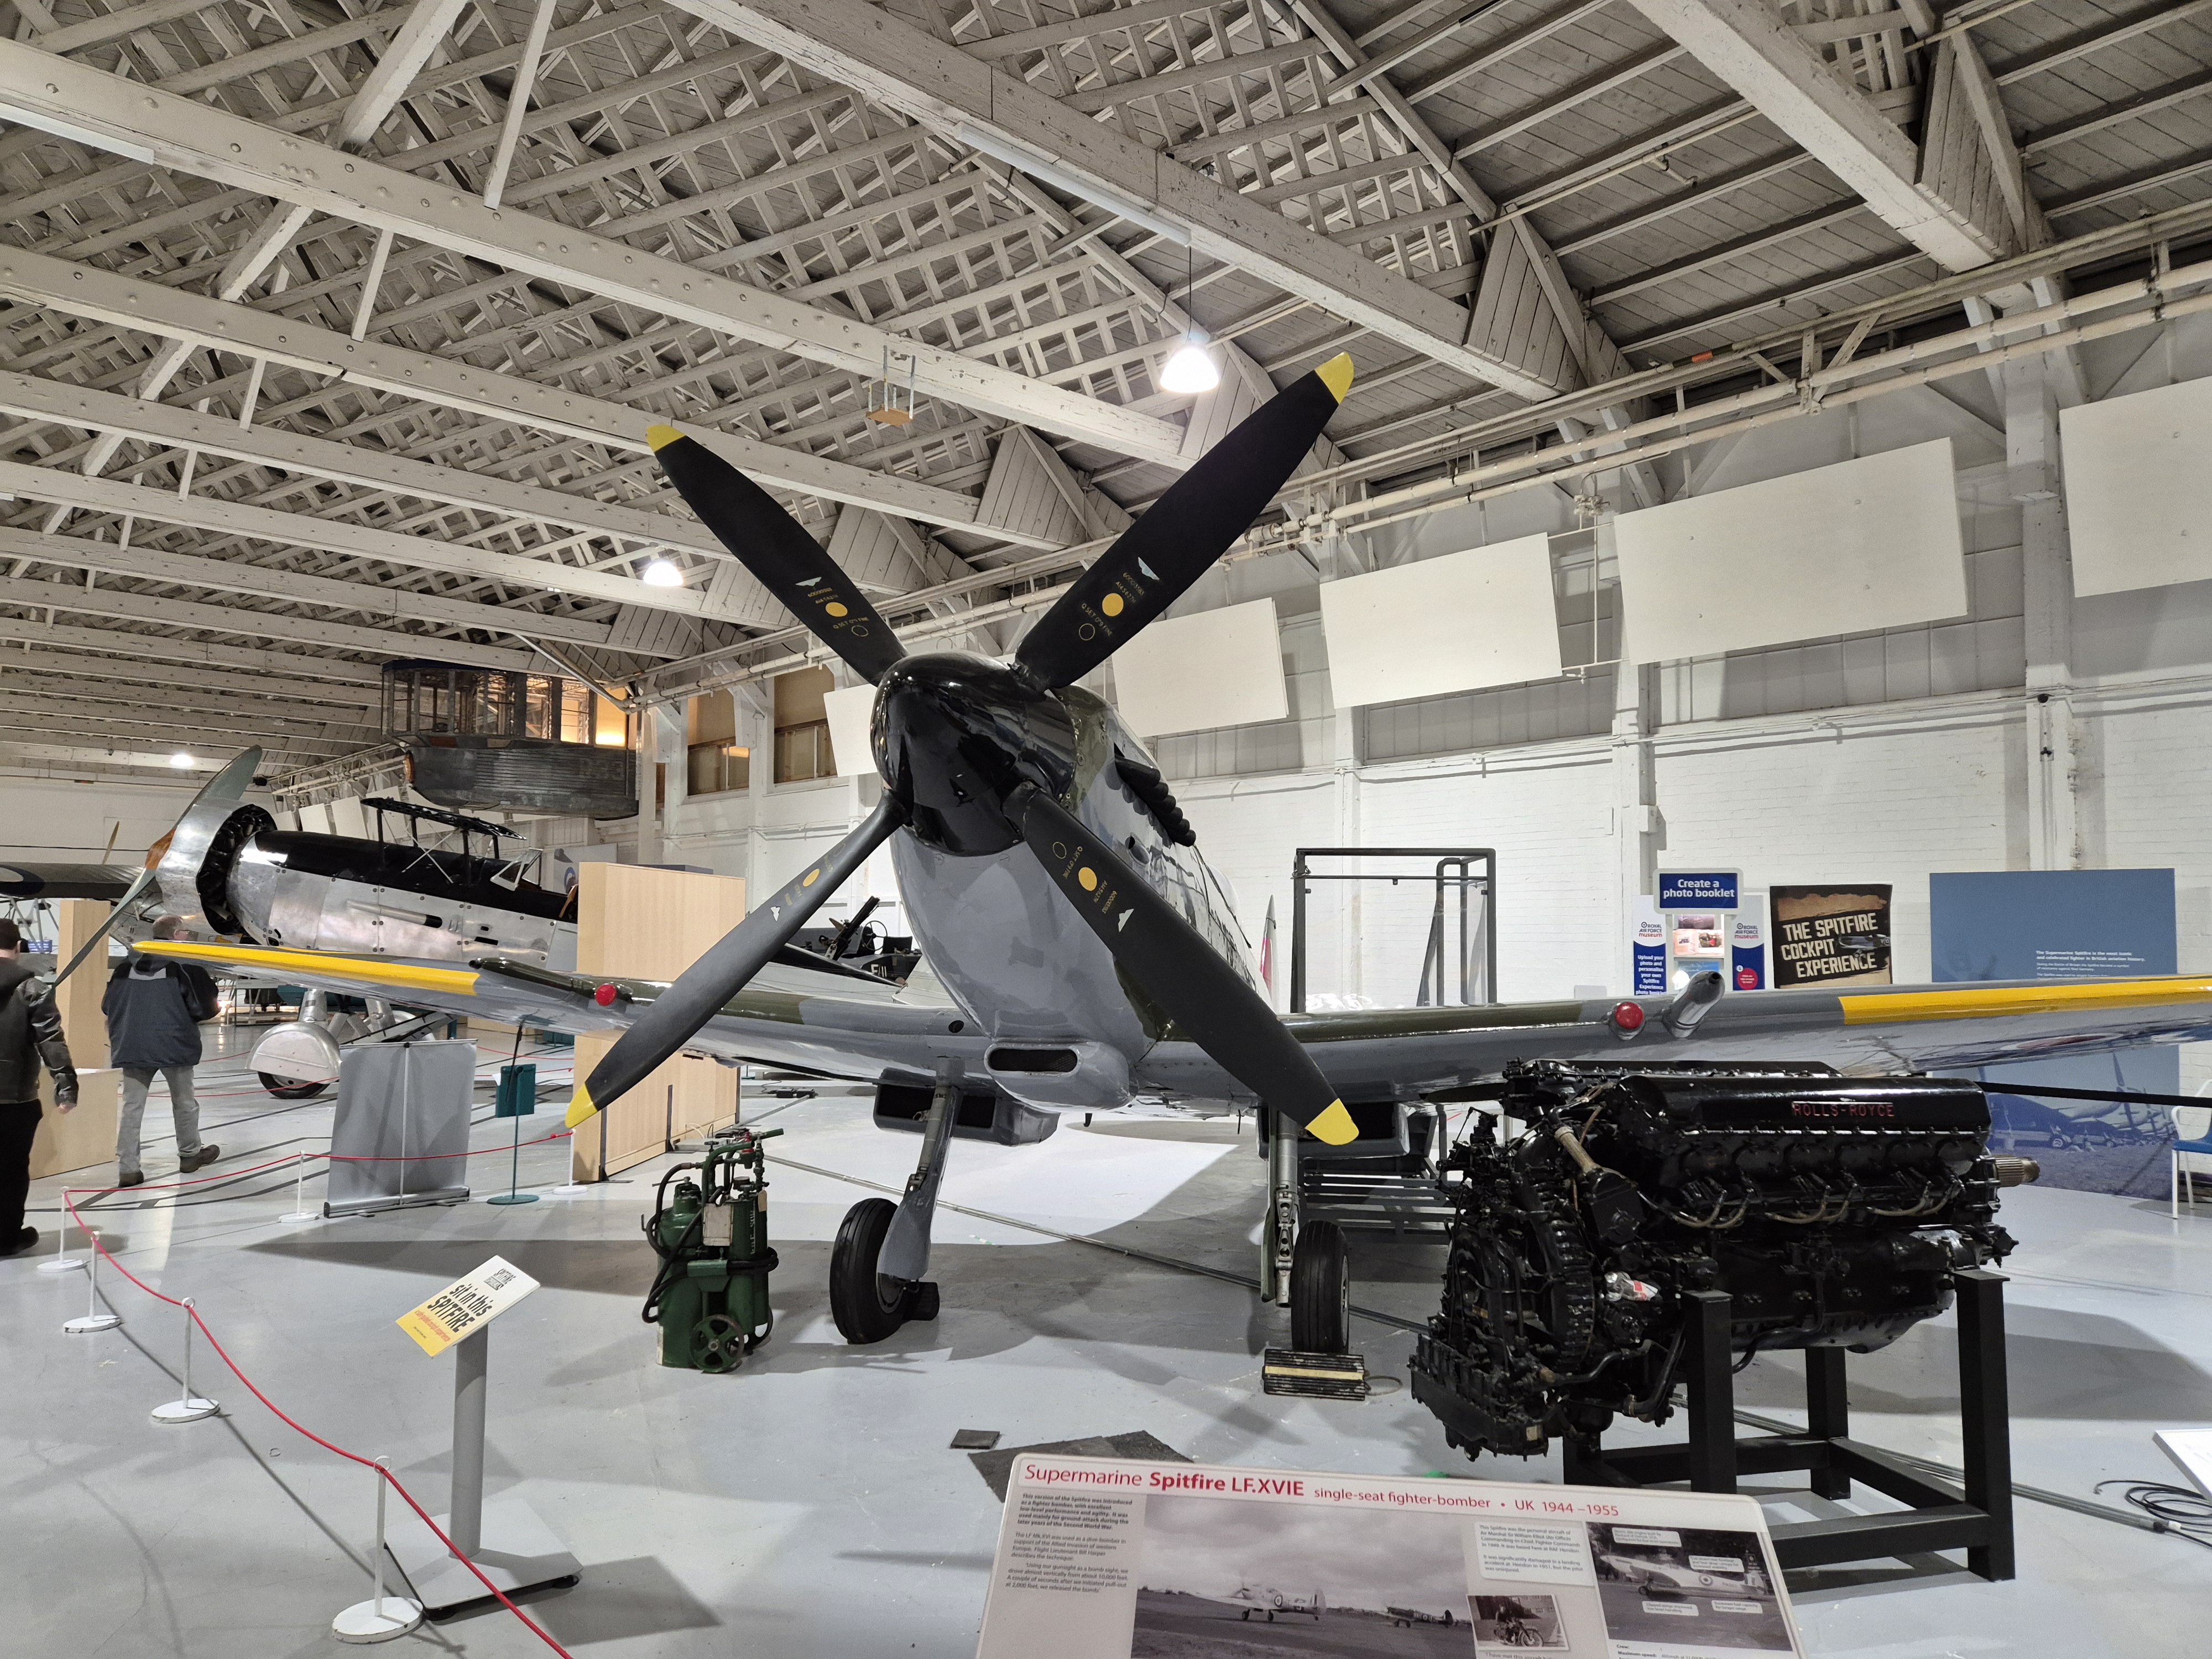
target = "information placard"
x: 466, y: 1305
x: 1100, y: 1559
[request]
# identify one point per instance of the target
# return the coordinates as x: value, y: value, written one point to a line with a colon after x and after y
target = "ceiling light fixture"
x: 662, y: 573
x: 181, y: 760
x: 1192, y: 369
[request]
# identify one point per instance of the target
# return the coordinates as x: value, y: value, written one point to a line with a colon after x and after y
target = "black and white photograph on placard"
x: 1227, y: 1580
x: 1687, y: 1588
x: 1522, y: 1623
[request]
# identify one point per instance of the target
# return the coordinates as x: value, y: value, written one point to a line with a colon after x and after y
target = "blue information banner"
x: 1699, y: 889
x: 2068, y: 924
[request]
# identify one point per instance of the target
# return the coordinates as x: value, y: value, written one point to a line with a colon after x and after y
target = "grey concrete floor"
x: 809, y: 1505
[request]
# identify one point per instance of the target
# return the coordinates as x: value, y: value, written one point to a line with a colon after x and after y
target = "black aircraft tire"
x: 1321, y: 1291
x: 284, y: 1091
x: 858, y: 1301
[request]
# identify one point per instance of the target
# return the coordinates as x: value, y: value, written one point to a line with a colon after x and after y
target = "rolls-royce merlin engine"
x: 1831, y: 1209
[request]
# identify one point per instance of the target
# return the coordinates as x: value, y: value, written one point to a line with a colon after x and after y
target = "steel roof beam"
x: 138, y: 671
x: 347, y: 681
x: 66, y: 488
x: 231, y: 621
x: 241, y: 329
x: 18, y: 677
x: 904, y: 68
x: 125, y: 116
x: 1751, y: 47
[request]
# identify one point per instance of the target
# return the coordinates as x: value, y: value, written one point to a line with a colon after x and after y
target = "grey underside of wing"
x: 60, y: 881
x: 1365, y: 1060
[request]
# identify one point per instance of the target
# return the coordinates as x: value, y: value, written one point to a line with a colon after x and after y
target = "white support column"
x: 2030, y: 411
x: 1639, y: 831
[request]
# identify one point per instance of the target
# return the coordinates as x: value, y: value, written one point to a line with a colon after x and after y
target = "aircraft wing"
x: 826, y: 1021
x: 1375, y: 1053
x: 61, y: 881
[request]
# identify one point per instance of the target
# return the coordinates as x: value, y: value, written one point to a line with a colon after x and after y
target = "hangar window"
x: 802, y: 726
x: 718, y: 764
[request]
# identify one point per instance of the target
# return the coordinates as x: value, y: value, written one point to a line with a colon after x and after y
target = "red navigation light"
x: 1627, y: 1017
x: 606, y: 995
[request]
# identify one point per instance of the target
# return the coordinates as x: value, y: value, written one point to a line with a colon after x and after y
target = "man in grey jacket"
x: 30, y: 1036
x: 154, y: 1011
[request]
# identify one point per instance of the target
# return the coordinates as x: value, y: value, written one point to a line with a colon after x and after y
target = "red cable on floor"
x: 222, y: 1353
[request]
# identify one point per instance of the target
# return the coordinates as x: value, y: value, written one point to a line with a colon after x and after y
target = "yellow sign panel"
x: 466, y: 1305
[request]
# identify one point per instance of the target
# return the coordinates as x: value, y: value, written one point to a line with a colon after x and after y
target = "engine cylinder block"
x: 1832, y: 1211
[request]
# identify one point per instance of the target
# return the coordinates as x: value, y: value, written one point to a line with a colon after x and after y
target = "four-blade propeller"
x: 1152, y: 564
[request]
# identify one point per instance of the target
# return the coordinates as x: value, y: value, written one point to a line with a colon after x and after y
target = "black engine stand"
x: 1938, y: 1515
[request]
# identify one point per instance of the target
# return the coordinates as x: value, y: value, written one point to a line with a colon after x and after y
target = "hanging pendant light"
x: 662, y: 573
x: 1192, y: 368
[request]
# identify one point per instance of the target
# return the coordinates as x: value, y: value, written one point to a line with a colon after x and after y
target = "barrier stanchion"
x: 299, y: 1212
x: 187, y: 1407
x: 62, y: 1264
x: 382, y: 1617
x: 93, y: 1319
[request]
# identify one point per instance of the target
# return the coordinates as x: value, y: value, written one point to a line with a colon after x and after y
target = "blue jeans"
x: 183, y: 1106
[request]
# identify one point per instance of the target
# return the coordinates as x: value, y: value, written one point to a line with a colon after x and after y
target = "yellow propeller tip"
x: 581, y: 1108
x: 1336, y: 375
x: 661, y: 436
x: 1335, y: 1126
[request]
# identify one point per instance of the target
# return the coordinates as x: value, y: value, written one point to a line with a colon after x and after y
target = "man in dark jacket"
x: 30, y: 1033
x: 154, y: 1011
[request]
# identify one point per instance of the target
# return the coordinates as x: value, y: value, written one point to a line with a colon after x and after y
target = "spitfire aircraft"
x: 1079, y: 953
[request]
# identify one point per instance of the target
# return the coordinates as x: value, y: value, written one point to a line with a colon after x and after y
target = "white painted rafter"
x: 125, y: 116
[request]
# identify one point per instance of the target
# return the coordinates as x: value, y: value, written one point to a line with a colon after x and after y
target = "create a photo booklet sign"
x: 1110, y: 1560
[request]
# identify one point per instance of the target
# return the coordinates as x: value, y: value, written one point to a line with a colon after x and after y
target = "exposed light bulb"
x: 662, y: 573
x: 181, y: 760
x: 1192, y: 369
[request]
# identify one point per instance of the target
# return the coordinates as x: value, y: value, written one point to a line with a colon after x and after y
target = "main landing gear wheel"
x: 1321, y: 1291
x: 285, y: 1089
x: 866, y: 1306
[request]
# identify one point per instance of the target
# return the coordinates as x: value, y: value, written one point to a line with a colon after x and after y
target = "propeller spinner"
x: 976, y: 756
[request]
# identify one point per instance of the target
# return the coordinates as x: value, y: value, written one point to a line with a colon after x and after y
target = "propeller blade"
x: 1184, y: 532
x: 99, y: 940
x: 772, y: 544
x: 699, y: 993
x: 1205, y: 996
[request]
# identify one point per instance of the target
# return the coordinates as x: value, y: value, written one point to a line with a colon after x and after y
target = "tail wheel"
x: 866, y: 1306
x: 284, y: 1090
x: 1320, y: 1290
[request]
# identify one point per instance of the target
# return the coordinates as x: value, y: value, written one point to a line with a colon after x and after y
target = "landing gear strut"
x: 876, y: 1267
x: 1304, y: 1265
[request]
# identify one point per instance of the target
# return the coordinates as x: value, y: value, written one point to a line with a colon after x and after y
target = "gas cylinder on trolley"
x: 710, y: 1297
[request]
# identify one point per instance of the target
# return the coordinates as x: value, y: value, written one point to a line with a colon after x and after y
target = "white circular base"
x: 188, y: 1410
x: 91, y: 1322
x: 377, y: 1621
x: 62, y: 1264
x: 304, y: 1215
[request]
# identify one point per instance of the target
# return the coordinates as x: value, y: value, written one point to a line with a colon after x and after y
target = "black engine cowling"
x: 1831, y: 1209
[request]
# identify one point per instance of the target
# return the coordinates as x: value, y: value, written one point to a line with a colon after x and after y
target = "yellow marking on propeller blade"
x: 581, y: 1107
x: 1336, y: 375
x: 661, y: 436
x: 1088, y: 878
x: 812, y: 875
x: 1111, y: 604
x: 836, y: 608
x: 456, y: 981
x: 1876, y: 1008
x: 1335, y: 1126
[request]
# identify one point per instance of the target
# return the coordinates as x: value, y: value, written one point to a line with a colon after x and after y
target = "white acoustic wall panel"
x: 849, y: 709
x: 348, y: 818
x: 316, y: 818
x: 1193, y: 673
x: 1840, y: 549
x: 2139, y: 488
x: 1455, y: 623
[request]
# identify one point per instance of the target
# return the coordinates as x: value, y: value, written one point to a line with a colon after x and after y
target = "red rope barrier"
x: 193, y: 1313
